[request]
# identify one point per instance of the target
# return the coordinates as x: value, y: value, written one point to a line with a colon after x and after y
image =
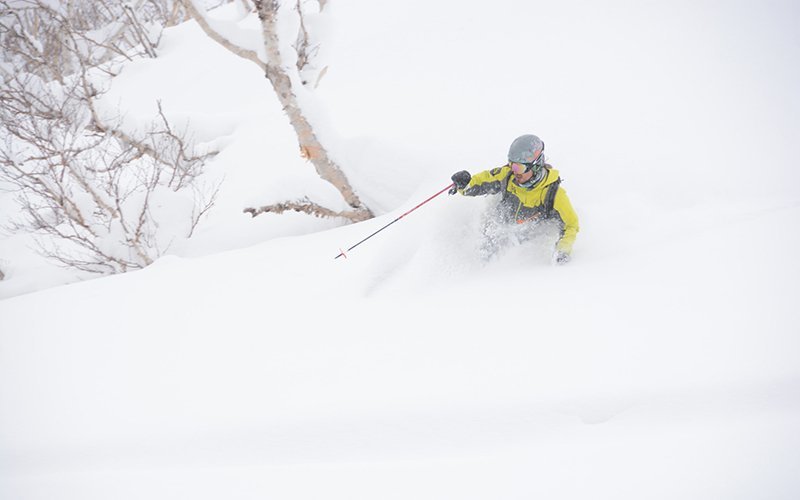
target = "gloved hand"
x: 461, y: 179
x: 562, y: 258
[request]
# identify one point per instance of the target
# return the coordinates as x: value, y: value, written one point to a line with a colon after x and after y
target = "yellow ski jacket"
x: 546, y: 200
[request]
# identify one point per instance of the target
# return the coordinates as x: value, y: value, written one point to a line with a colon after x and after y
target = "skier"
x: 532, y: 199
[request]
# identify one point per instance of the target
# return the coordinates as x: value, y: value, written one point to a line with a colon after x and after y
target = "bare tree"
x: 94, y: 192
x: 306, y: 50
x: 310, y: 146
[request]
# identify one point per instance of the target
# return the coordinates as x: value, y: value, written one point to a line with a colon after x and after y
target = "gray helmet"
x: 527, y: 149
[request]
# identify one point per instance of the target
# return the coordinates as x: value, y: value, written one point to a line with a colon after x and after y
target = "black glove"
x: 460, y: 179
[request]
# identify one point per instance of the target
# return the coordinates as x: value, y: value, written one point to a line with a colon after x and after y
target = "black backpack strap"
x: 506, y: 180
x: 550, y: 198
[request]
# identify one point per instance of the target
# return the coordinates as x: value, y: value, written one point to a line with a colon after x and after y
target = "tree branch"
x: 204, y: 24
x: 305, y: 206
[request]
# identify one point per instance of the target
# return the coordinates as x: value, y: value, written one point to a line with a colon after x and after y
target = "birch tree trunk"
x: 310, y: 146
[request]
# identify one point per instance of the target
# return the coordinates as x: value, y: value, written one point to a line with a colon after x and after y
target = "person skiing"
x: 531, y: 197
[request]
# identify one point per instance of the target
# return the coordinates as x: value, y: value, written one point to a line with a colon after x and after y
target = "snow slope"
x: 661, y: 363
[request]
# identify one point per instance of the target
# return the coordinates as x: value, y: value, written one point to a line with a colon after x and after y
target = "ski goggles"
x: 520, y: 168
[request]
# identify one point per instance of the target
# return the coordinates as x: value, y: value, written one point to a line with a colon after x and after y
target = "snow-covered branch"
x: 213, y: 30
x: 305, y: 206
x: 94, y: 194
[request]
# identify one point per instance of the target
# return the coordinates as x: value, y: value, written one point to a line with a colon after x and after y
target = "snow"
x: 662, y: 362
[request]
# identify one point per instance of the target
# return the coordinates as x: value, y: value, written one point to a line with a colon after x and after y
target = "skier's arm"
x: 486, y: 182
x: 564, y: 208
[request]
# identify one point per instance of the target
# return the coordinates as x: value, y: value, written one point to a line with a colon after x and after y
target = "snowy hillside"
x: 663, y: 362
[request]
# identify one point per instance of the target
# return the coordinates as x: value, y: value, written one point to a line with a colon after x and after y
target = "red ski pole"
x: 342, y: 252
